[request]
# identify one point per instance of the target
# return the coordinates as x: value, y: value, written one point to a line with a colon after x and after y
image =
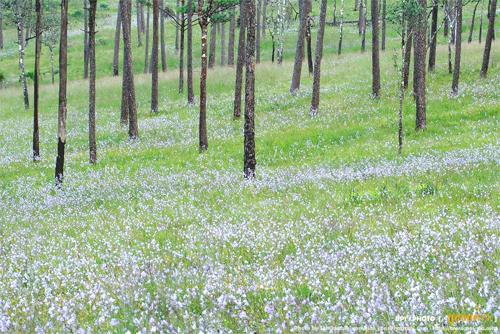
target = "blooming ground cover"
x: 336, y: 231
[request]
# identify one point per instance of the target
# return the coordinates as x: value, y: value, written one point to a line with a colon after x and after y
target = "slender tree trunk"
x: 264, y: 19
x: 230, y: 47
x: 458, y: 49
x: 154, y: 61
x: 433, y: 37
x: 52, y: 64
x: 309, y: 46
x: 177, y: 28
x: 85, y: 39
x: 472, y: 22
x: 446, y: 24
x: 384, y: 15
x: 240, y: 61
x: 419, y: 66
x: 375, y: 50
x: 36, y: 79
x: 299, y: 51
x: 116, y: 52
x: 138, y: 8
x: 222, y: 43
x: 319, y: 56
x: 190, y: 94
x: 334, y: 22
x: 249, y: 127
x: 481, y: 23
x: 489, y: 38
x: 213, y: 45
x: 181, y: 53
x: 258, y: 34
x: 1, y: 31
x: 22, y: 71
x: 360, y: 16
x: 405, y: 45
x: 146, y: 51
x: 92, y: 136
x: 363, y: 10
x: 162, y: 38
x: 63, y: 66
x: 341, y: 26
x: 202, y: 126
x: 407, y: 55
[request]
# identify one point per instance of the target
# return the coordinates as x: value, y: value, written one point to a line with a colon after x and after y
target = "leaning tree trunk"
x: 319, y: 56
x: 458, y: 49
x: 240, y: 62
x: 36, y: 79
x: 213, y: 45
x: 116, y: 52
x: 489, y: 38
x: 222, y: 43
x: 63, y: 67
x: 85, y: 39
x: 146, y: 51
x: 249, y: 127
x: 384, y: 16
x: 202, y: 125
x: 22, y: 71
x: 299, y: 50
x: 162, y: 38
x: 472, y: 22
x: 257, y: 36
x: 375, y: 50
x: 433, y: 37
x: 154, y: 60
x: 230, y: 47
x: 190, y: 89
x: 92, y: 139
x: 419, y: 66
x: 181, y: 53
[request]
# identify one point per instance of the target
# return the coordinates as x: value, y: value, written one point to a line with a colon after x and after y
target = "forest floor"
x: 337, y: 229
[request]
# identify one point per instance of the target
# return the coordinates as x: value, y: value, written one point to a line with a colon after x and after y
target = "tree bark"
x: 240, y: 62
x: 341, y: 28
x: 177, y: 28
x: 181, y: 53
x: 1, y: 31
x: 22, y: 71
x: 299, y: 50
x: 257, y: 34
x: 249, y: 127
x: 446, y: 24
x: 309, y: 46
x: 190, y: 94
x: 213, y: 45
x: 154, y: 61
x: 384, y: 15
x: 433, y: 37
x: 36, y: 79
x: 375, y: 50
x: 481, y: 23
x: 264, y: 19
x: 85, y: 39
x: 202, y: 125
x: 230, y: 47
x: 458, y: 49
x: 143, y: 23
x: 92, y: 135
x: 51, y: 50
x: 363, y: 10
x: 319, y: 56
x: 63, y: 66
x: 489, y: 38
x: 139, y: 22
x: 472, y: 22
x: 116, y: 52
x: 146, y: 51
x: 162, y: 38
x: 222, y: 43
x: 407, y: 55
x: 419, y: 65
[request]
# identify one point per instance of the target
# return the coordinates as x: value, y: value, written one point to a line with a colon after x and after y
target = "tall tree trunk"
x: 446, y: 24
x: 230, y: 47
x: 402, y: 87
x: 138, y: 8
x: 334, y: 22
x: 162, y: 38
x: 363, y: 10
x: 489, y: 38
x: 177, y: 27
x: 1, y: 31
x: 419, y: 65
x: 181, y: 53
x: 52, y: 64
x: 341, y: 26
x: 384, y: 15
x: 360, y: 16
x: 213, y: 45
x: 154, y: 61
x: 190, y: 94
x: 85, y: 39
x: 36, y: 79
x: 264, y: 19
x: 146, y: 51
x: 22, y: 72
x: 202, y: 125
x: 240, y: 61
x: 407, y: 55
x: 433, y: 37
x: 309, y: 46
x: 63, y: 66
x: 143, y: 23
x: 299, y: 50
x: 116, y: 52
x: 375, y: 50
x: 257, y: 34
x: 472, y: 22
x: 319, y: 56
x: 249, y: 127
x: 458, y: 49
x: 481, y: 23
x: 222, y: 43
x: 92, y: 139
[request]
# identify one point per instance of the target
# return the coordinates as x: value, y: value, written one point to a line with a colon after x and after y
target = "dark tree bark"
x: 202, y: 126
x: 363, y: 10
x: 162, y: 39
x: 309, y: 46
x: 177, y: 28
x: 384, y: 15
x: 419, y: 65
x: 116, y: 52
x: 481, y: 23
x: 341, y: 26
x: 213, y: 45
x: 36, y: 79
x: 407, y: 55
x: 138, y: 8
x: 458, y: 49
x: 299, y: 50
x: 154, y: 61
x: 63, y: 66
x: 264, y: 19
x: 257, y: 35
x: 222, y: 43
x: 230, y: 47
x: 489, y: 38
x: 92, y: 136
x: 1, y: 31
x: 319, y: 56
x: 472, y: 22
x: 360, y: 16
x: 433, y: 37
x: 240, y: 62
x: 143, y: 23
x: 190, y: 93
x: 446, y: 24
x: 22, y: 74
x: 249, y: 127
x: 181, y: 53
x: 85, y: 39
x: 375, y: 50
x: 146, y: 51
x: 334, y: 22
